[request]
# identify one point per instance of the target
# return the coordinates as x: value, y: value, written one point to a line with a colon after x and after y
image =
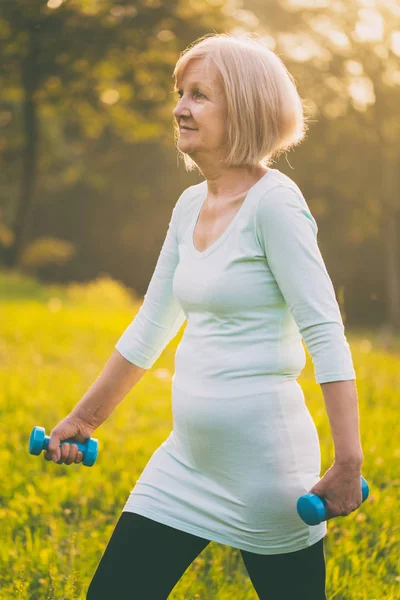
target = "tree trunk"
x: 23, y: 216
x: 391, y: 241
x: 389, y: 185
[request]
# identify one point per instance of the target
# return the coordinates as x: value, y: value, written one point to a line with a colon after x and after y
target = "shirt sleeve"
x: 160, y: 316
x: 287, y: 231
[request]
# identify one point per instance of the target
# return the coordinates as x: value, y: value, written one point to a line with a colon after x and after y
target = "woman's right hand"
x: 70, y: 427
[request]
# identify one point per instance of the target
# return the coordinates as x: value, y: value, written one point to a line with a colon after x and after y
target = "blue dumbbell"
x: 312, y: 508
x: 40, y: 441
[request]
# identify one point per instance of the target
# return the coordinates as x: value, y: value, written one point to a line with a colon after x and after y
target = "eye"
x: 195, y: 93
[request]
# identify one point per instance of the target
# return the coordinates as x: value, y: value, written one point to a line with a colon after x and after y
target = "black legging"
x: 144, y: 560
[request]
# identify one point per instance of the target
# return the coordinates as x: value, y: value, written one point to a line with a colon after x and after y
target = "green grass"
x: 56, y: 520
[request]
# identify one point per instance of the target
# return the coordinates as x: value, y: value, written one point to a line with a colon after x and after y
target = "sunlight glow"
x: 381, y: 50
x: 370, y: 27
x: 325, y: 25
x: 54, y: 3
x: 302, y: 48
x: 391, y: 74
x: 393, y: 6
x: 396, y: 42
x: 361, y: 90
x: 245, y: 16
x: 166, y: 35
x: 123, y: 11
x: 339, y: 38
x: 308, y: 3
x: 109, y: 96
x: 354, y: 67
x: 269, y: 41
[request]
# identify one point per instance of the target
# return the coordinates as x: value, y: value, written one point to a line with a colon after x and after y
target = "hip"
x: 244, y: 437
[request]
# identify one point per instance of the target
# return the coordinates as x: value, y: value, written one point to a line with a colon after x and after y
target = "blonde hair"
x: 265, y: 115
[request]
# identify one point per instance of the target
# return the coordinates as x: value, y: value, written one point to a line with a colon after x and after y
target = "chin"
x: 186, y: 146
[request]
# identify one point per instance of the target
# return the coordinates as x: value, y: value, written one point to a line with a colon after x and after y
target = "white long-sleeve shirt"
x: 243, y: 446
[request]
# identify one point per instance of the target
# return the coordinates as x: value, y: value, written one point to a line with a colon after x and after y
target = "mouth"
x: 186, y: 129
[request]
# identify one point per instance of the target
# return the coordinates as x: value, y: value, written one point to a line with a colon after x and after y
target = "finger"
x: 73, y: 450
x: 64, y: 452
x: 79, y: 457
x: 50, y: 456
x: 54, y: 450
x: 332, y: 511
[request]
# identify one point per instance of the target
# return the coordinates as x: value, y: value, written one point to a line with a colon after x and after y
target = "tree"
x: 102, y: 68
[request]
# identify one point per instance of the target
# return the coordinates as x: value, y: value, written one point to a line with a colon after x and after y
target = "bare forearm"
x: 116, y: 379
x: 341, y: 403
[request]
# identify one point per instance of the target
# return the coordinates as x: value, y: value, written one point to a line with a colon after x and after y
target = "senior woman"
x: 241, y: 264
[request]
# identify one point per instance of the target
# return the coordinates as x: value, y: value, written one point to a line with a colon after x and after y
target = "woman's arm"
x: 118, y: 377
x: 288, y: 232
x: 342, y: 407
x: 160, y: 317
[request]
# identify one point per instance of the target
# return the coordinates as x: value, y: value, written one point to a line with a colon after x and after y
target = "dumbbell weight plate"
x: 36, y: 440
x: 91, y: 452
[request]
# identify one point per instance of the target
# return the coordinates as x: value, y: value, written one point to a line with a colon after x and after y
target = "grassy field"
x: 57, y: 519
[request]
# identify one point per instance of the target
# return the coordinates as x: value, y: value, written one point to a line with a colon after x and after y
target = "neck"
x: 223, y: 182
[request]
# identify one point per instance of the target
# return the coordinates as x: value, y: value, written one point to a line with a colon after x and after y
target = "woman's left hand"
x: 340, y: 487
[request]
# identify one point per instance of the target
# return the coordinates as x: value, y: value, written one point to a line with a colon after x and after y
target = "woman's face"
x: 202, y: 107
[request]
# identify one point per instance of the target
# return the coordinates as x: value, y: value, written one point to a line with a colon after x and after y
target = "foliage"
x: 57, y: 519
x: 101, y: 293
x: 95, y: 70
x: 44, y: 251
x: 57, y: 82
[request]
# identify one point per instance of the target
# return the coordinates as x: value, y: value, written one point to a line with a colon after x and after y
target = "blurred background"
x: 89, y: 173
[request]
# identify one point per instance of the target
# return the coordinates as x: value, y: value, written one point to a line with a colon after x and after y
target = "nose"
x: 179, y: 109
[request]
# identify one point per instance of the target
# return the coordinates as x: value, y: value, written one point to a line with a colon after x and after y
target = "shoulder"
x: 189, y: 198
x: 278, y: 185
x: 191, y: 194
x: 280, y: 202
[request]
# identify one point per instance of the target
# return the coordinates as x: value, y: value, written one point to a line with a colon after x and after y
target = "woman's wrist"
x: 350, y: 461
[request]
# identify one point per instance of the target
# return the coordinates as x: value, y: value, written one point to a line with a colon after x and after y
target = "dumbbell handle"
x: 81, y: 447
x: 312, y: 508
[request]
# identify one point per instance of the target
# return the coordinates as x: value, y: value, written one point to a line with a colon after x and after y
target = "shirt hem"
x: 336, y: 377
x: 220, y: 539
